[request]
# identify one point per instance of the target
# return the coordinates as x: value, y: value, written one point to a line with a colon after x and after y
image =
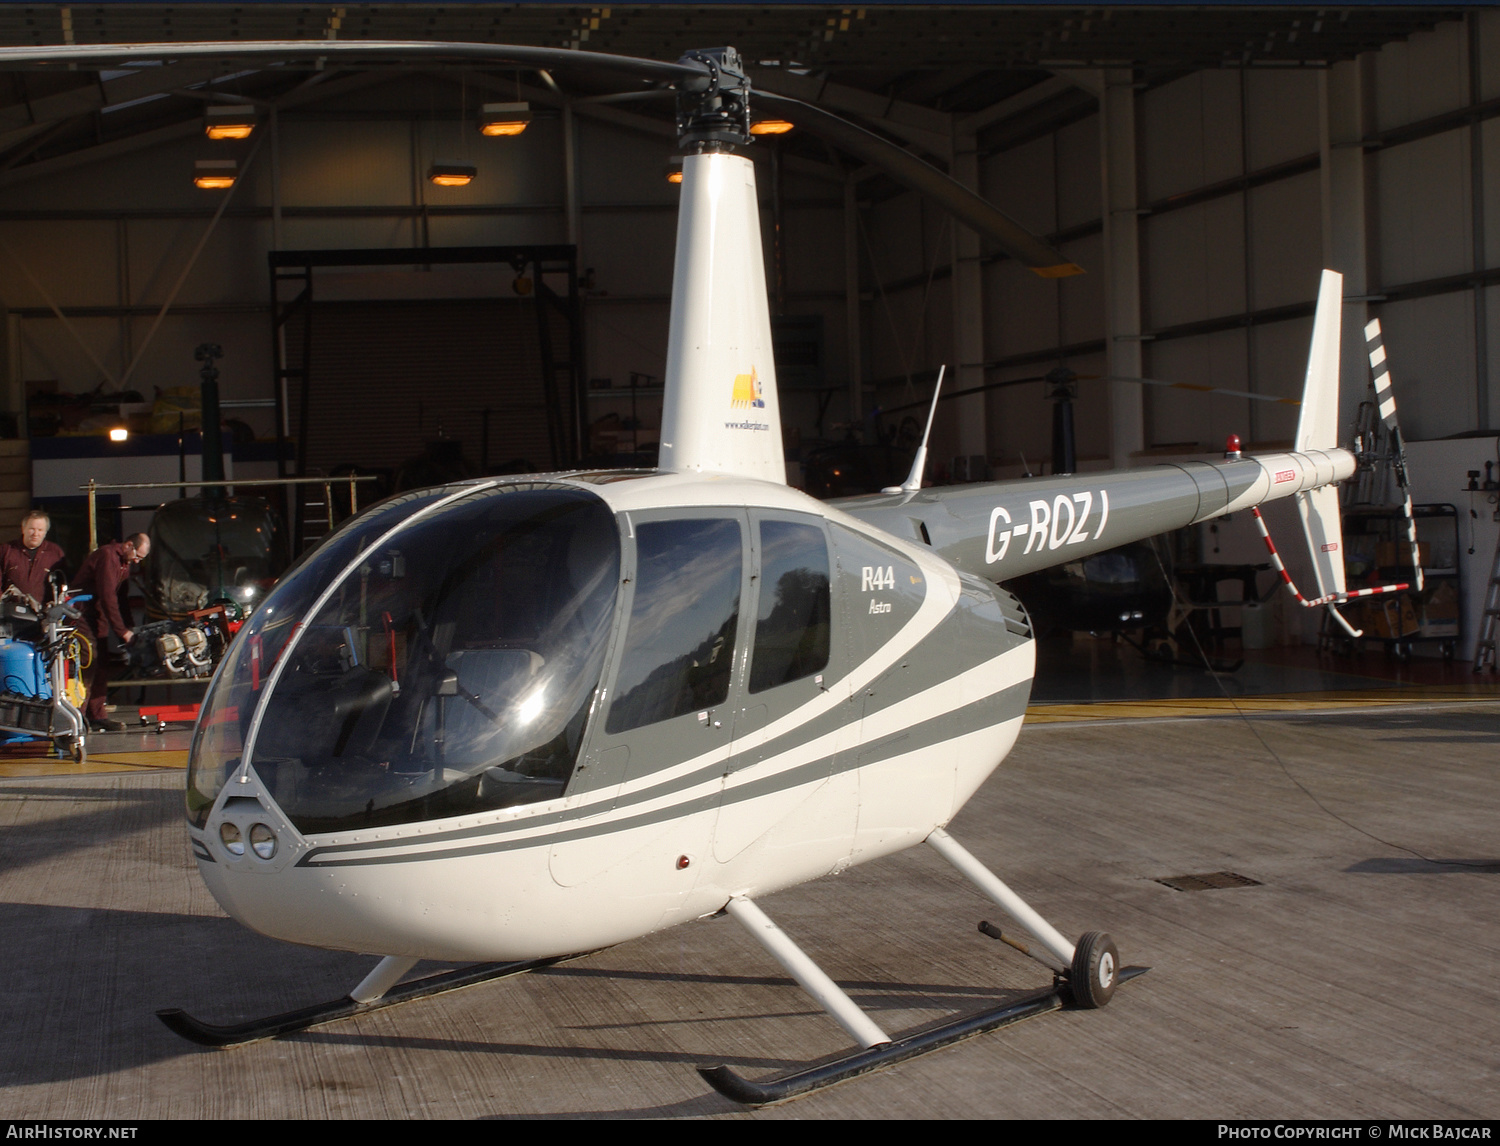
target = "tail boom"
x: 1002, y: 530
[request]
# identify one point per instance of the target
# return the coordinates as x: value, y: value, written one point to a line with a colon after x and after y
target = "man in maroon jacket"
x: 25, y: 563
x: 103, y: 575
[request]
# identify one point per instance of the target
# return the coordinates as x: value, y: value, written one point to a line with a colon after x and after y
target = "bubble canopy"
x: 437, y: 656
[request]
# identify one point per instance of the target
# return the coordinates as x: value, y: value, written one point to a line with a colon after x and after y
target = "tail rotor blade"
x: 1380, y: 371
x: 1385, y: 401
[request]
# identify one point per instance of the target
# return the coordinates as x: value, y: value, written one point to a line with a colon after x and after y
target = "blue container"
x: 22, y: 671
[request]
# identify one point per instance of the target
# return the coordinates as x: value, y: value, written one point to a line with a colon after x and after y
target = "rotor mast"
x: 720, y: 412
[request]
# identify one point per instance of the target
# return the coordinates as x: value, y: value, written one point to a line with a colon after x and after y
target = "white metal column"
x: 1342, y: 182
x: 1122, y: 273
x: 968, y: 309
x: 852, y: 334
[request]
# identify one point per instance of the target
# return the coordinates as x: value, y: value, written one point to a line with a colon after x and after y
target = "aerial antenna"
x: 913, y: 480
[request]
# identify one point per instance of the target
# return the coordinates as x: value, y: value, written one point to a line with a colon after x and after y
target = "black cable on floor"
x: 1208, y: 667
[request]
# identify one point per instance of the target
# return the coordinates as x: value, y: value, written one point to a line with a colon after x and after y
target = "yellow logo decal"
x: 747, y: 391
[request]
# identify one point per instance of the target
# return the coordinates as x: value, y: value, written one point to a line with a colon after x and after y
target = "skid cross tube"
x: 987, y: 882
x: 385, y: 975
x: 808, y: 974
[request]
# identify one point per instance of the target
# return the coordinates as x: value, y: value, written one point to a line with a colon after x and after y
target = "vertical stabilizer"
x: 720, y: 413
x: 1318, y: 424
x: 1317, y: 429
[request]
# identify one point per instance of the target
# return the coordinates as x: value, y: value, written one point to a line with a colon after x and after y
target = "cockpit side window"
x: 679, y: 647
x: 792, y: 629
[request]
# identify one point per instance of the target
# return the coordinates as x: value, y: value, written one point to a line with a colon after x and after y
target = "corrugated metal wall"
x: 1233, y: 253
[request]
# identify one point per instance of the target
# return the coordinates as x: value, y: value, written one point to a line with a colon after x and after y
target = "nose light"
x: 233, y: 842
x: 262, y: 841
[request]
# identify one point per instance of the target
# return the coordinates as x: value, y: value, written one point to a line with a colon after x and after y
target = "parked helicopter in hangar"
x: 516, y: 719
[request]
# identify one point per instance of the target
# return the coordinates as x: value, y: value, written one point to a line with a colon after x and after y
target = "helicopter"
x: 505, y: 721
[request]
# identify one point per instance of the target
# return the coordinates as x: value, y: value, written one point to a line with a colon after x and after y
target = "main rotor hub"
x: 713, y: 111
x: 1062, y: 384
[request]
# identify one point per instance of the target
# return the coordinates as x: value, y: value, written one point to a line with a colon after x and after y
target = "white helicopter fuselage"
x: 921, y: 699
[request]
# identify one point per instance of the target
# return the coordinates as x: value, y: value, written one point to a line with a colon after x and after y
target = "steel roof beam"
x: 167, y: 133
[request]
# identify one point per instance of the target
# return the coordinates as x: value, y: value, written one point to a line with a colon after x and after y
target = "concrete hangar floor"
x: 1353, y: 978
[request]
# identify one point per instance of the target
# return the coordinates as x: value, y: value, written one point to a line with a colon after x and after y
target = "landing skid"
x: 1084, y: 975
x: 743, y: 1090
x: 236, y: 1034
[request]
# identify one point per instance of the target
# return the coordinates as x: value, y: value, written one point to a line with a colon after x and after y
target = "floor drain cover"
x: 1208, y: 881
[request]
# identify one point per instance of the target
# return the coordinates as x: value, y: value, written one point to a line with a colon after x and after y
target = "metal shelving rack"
x: 1376, y: 553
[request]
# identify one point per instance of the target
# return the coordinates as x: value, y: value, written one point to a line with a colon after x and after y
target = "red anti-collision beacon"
x: 1232, y: 448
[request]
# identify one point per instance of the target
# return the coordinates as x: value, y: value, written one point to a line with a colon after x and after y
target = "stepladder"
x: 1484, y: 647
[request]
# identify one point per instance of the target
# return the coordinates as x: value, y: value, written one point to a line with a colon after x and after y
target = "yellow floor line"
x: 33, y: 766
x: 168, y: 758
x: 1218, y: 705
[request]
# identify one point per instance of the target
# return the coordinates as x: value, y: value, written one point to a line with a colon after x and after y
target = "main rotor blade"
x: 1205, y: 389
x: 349, y: 53
x: 971, y: 390
x: 923, y: 177
x: 1193, y: 386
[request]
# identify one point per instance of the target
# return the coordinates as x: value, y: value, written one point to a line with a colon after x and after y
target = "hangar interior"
x: 1275, y: 862
x: 1200, y: 164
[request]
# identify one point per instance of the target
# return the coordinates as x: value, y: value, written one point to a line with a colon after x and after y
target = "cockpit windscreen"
x: 451, y: 670
x: 237, y: 687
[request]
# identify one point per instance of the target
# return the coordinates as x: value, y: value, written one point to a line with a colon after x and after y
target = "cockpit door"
x: 664, y: 725
x: 792, y: 722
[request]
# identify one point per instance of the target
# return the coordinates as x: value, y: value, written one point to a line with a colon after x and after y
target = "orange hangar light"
x: 215, y: 174
x: 229, y: 121
x: 451, y: 173
x: 504, y: 118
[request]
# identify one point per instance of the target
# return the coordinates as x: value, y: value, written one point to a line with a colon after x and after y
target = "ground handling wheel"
x: 1095, y: 970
